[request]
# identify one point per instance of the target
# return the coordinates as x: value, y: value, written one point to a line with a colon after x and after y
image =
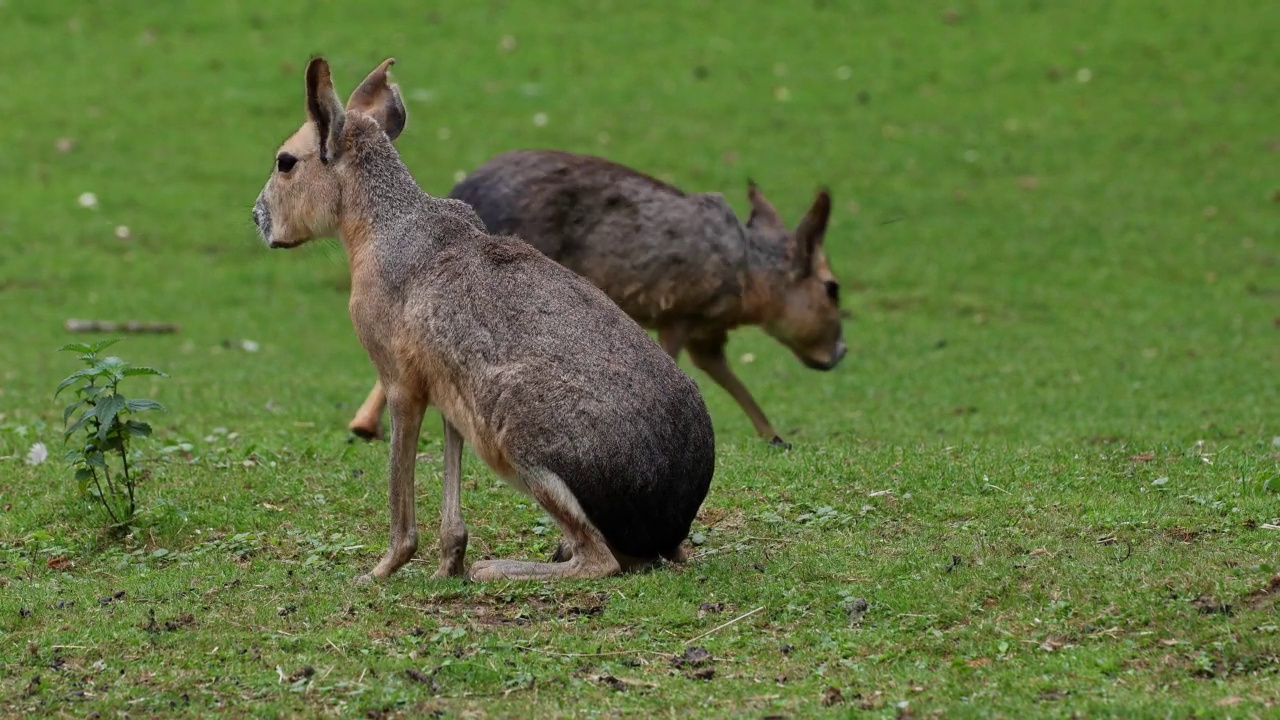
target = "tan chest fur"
x: 413, y: 366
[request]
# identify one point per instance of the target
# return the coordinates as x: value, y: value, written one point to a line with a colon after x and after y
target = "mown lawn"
x: 1045, y: 482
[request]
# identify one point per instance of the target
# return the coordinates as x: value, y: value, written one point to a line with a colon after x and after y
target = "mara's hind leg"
x: 589, y: 555
x: 367, y: 422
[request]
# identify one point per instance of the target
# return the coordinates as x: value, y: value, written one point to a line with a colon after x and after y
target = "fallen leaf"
x: 620, y: 684
x: 1142, y: 457
x: 421, y: 677
x: 708, y: 608
x: 856, y: 609
x: 693, y: 657
x: 832, y: 696
x: 1229, y: 700
x: 61, y: 562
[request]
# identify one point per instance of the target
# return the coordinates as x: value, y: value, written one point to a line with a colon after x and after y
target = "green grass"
x: 1043, y: 465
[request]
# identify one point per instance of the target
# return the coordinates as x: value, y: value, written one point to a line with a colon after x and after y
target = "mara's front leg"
x: 406, y: 422
x: 453, y: 531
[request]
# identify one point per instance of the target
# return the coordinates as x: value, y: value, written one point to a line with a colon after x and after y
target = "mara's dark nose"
x: 837, y: 354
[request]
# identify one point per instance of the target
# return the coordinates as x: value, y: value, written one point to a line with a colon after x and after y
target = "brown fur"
x: 677, y: 262
x: 556, y: 389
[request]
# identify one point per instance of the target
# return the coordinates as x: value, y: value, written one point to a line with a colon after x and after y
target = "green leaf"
x: 137, y: 428
x: 111, y: 367
x: 83, y: 476
x: 141, y: 404
x: 86, y: 417
x: 95, y: 459
x: 73, y: 377
x: 88, y: 351
x: 75, y: 347
x: 106, y: 411
x: 113, y: 443
x: 66, y: 414
x: 131, y: 371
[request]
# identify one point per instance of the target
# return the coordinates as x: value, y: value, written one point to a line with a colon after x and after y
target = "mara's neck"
x: 765, y: 278
x: 378, y: 195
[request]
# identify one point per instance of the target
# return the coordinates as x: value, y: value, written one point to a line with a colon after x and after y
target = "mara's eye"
x: 833, y: 291
x: 285, y: 162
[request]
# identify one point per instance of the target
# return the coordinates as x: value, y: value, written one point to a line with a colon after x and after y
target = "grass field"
x: 1048, y: 466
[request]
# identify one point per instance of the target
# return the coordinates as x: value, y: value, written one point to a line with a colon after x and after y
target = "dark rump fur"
x: 621, y: 425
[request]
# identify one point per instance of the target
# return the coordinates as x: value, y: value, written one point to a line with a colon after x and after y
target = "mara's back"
x: 559, y: 377
x: 659, y: 253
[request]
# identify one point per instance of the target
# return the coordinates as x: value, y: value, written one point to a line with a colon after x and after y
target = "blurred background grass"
x: 1059, y: 214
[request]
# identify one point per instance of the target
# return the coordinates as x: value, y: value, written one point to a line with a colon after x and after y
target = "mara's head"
x: 303, y: 197
x: 805, y: 309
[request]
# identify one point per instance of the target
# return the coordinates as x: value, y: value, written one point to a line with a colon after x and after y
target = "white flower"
x: 88, y: 200
x: 37, y: 454
x: 540, y: 119
x: 122, y: 232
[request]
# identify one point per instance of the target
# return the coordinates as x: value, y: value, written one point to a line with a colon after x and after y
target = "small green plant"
x: 102, y: 433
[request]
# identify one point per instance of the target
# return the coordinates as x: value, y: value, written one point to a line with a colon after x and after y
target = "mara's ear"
x: 324, y: 108
x: 762, y: 213
x: 813, y: 227
x: 380, y: 100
